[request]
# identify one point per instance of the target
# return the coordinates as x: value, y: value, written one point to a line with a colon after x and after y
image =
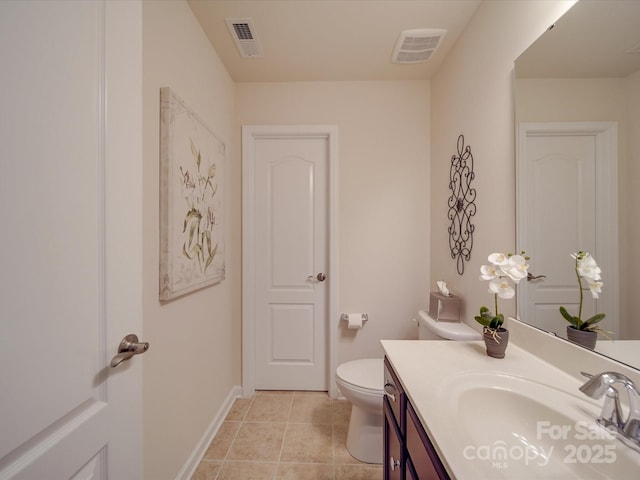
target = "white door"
x: 291, y: 275
x: 70, y: 152
x: 565, y: 172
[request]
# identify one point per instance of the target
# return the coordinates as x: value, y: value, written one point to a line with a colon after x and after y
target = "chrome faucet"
x: 601, y: 385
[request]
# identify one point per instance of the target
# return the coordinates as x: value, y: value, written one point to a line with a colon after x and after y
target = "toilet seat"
x: 365, y: 375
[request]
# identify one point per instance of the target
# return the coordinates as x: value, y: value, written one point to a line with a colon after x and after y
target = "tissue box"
x: 443, y: 308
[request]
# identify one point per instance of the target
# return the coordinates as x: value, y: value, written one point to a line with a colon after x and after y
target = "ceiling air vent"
x: 417, y: 45
x: 243, y: 34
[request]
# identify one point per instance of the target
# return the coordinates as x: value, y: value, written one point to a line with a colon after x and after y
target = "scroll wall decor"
x: 191, y: 208
x: 461, y: 205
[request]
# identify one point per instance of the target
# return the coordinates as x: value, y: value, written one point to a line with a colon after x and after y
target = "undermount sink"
x: 508, y: 426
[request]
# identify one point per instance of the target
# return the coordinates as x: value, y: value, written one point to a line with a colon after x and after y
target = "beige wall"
x: 194, y: 359
x: 472, y: 94
x: 630, y: 223
x: 395, y: 141
x: 383, y: 193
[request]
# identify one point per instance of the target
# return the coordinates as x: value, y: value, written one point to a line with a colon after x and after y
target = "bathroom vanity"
x: 452, y: 412
x: 408, y: 452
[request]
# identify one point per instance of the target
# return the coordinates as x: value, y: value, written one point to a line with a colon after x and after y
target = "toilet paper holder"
x: 345, y: 317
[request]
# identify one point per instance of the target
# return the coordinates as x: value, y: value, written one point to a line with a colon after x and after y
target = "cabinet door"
x: 410, y: 472
x: 421, y: 453
x: 393, y: 458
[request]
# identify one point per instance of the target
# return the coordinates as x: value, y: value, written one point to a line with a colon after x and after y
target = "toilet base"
x: 365, y: 439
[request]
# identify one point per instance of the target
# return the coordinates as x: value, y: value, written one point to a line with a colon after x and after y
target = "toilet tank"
x: 430, y: 329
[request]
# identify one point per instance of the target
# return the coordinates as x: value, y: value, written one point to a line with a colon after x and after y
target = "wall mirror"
x: 577, y: 94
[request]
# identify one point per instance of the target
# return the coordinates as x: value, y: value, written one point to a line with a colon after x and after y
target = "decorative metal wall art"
x: 461, y: 205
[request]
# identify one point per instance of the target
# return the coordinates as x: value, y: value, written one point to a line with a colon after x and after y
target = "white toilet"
x: 362, y: 383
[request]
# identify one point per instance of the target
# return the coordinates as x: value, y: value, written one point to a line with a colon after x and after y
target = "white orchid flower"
x: 588, y: 268
x: 516, y: 268
x: 488, y: 272
x: 502, y: 288
x: 498, y: 259
x: 595, y: 288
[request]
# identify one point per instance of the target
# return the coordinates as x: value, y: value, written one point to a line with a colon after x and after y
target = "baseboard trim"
x: 189, y: 468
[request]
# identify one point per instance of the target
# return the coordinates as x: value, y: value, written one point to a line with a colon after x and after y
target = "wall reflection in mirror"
x: 578, y: 163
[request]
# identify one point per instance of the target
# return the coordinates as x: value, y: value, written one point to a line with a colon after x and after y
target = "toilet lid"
x: 366, y: 373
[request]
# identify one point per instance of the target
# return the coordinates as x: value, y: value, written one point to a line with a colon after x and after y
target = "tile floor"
x: 284, y: 436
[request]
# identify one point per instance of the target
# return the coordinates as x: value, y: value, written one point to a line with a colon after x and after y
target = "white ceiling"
x: 330, y: 40
x: 591, y: 40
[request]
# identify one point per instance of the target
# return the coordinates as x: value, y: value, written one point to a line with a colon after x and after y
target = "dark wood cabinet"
x: 408, y: 451
x: 393, y: 465
x: 394, y: 425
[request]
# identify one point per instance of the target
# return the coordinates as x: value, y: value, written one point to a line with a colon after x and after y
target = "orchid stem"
x: 581, y: 294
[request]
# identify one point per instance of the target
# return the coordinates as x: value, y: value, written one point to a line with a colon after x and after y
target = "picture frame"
x: 192, y: 253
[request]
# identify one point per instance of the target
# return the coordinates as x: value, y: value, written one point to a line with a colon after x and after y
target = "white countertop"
x: 428, y: 369
x: 625, y: 351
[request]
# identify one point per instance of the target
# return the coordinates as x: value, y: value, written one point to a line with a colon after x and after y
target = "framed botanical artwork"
x: 191, y: 200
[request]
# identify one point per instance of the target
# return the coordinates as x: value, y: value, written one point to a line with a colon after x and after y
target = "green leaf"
x: 488, y: 319
x: 192, y: 232
x: 206, y: 240
x: 497, y: 322
x: 212, y: 254
x: 566, y: 315
x: 195, y: 153
x: 575, y: 321
x: 192, y: 214
x: 197, y: 249
x: 593, y: 320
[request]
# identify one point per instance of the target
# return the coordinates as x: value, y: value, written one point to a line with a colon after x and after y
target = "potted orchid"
x: 501, y: 268
x: 585, y: 332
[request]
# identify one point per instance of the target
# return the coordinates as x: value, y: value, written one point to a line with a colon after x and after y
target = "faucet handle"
x: 601, y: 386
x: 610, y: 416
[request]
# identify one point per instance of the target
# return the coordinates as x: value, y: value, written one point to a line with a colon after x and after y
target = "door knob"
x: 129, y: 346
x: 321, y: 277
x: 531, y: 277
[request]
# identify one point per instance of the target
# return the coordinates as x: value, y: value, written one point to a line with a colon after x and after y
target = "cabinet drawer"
x: 395, y: 394
x: 422, y: 455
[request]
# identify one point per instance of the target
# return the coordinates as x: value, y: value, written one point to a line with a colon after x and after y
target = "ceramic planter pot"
x: 585, y: 338
x: 496, y: 346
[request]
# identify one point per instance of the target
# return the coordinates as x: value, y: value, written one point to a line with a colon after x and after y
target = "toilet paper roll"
x: 355, y: 321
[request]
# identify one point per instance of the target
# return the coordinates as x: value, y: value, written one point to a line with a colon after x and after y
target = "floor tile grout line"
x: 284, y: 436
x: 235, y: 436
x: 332, y: 465
x: 333, y: 436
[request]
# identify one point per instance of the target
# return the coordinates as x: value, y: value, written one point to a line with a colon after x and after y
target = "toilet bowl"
x: 362, y: 383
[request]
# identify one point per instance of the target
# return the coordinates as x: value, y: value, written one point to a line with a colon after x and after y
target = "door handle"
x: 531, y: 277
x: 321, y: 277
x: 129, y: 346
